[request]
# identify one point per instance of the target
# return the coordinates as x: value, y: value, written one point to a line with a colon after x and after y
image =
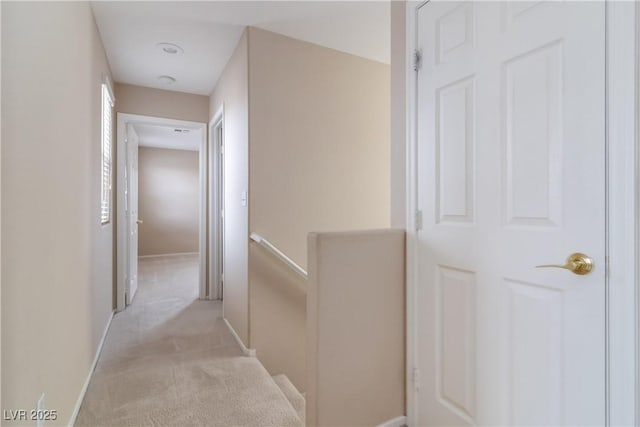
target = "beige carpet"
x: 169, y: 360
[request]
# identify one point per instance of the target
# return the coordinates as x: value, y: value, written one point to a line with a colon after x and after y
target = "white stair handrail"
x: 277, y: 252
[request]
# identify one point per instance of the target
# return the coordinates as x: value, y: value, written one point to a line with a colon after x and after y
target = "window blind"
x: 107, y: 136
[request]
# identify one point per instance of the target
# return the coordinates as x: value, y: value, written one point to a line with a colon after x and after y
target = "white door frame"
x: 121, y: 223
x: 623, y: 214
x: 215, y: 240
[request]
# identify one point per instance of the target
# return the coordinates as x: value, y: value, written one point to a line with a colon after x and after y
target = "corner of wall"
x: 232, y: 91
x: 398, y: 114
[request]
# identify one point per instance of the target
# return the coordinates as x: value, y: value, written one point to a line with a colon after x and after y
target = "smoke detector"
x: 170, y: 48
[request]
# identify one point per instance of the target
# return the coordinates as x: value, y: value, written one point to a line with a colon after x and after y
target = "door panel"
x: 511, y: 143
x: 132, y: 211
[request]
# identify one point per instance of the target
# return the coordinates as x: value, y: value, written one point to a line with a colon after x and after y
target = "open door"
x: 511, y: 189
x: 131, y: 201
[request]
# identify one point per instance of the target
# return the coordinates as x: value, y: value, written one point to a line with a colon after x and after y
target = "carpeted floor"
x: 169, y: 360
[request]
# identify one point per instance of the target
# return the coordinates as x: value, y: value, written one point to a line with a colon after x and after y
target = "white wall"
x: 232, y: 91
x: 56, y: 256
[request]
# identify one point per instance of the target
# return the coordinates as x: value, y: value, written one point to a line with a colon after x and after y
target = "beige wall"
x: 355, y: 328
x: 232, y: 91
x: 161, y: 103
x: 56, y: 256
x: 278, y: 316
x: 319, y: 149
x: 319, y: 161
x: 398, y: 113
x: 168, y: 197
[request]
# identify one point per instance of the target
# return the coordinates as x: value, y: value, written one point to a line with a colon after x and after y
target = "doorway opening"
x: 150, y: 223
x: 216, y: 206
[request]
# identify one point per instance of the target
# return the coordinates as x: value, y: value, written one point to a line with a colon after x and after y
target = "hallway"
x: 169, y: 359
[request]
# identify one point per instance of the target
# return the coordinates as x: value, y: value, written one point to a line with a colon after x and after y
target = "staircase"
x: 263, y: 400
x: 307, y: 324
x: 292, y: 394
x: 259, y: 399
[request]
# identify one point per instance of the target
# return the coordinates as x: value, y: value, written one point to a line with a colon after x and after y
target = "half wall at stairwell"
x: 319, y: 153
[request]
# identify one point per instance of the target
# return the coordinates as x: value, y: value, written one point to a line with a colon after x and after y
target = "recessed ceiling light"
x: 167, y: 80
x: 170, y: 48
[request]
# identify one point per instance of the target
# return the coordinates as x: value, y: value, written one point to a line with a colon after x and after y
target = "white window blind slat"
x: 107, y: 137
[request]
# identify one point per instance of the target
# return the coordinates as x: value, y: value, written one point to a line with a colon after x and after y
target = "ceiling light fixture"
x: 166, y: 80
x: 170, y: 48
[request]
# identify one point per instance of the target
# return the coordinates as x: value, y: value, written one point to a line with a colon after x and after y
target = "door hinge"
x: 416, y: 379
x: 417, y: 59
x: 418, y: 220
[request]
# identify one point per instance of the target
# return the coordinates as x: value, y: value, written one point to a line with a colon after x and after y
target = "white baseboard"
x: 167, y: 255
x: 249, y: 352
x: 395, y: 422
x: 76, y: 410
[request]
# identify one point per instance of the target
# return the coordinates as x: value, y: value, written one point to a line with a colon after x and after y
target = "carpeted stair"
x: 292, y: 394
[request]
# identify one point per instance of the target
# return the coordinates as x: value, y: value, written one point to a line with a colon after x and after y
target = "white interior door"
x: 132, y: 212
x: 511, y: 175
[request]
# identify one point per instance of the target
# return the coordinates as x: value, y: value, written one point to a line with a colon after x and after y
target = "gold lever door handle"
x: 577, y: 263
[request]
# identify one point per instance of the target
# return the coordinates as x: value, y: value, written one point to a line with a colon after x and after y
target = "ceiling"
x: 208, y: 32
x: 162, y: 136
